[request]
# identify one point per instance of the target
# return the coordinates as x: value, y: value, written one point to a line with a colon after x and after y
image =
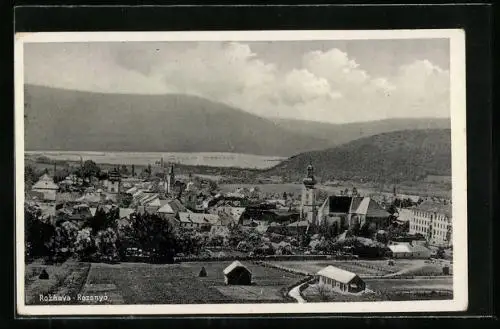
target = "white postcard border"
x: 459, y: 174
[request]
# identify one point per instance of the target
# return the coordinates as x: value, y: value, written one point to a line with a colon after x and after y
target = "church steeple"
x: 308, y: 202
x: 170, y: 180
x: 310, y: 180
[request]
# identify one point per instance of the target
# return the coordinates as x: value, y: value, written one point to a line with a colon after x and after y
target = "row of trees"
x: 101, y: 238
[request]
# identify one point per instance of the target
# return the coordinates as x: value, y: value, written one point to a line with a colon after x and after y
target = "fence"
x: 251, y: 258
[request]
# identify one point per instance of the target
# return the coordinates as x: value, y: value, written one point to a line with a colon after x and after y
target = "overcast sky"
x: 328, y: 81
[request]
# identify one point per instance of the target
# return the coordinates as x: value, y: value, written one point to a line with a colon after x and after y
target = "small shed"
x: 341, y: 279
x: 237, y: 274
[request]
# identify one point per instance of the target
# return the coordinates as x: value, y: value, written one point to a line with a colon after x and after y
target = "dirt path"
x: 295, y: 293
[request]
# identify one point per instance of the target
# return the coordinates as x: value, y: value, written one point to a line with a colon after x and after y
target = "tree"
x: 38, y: 234
x: 64, y: 241
x: 30, y: 176
x: 90, y: 169
x: 392, y: 209
x: 133, y: 170
x: 440, y: 253
x: 85, y: 244
x: 125, y: 200
x: 102, y: 220
x: 105, y: 242
x: 212, y: 185
x: 124, y: 170
x: 60, y: 175
x: 323, y: 291
x: 152, y: 233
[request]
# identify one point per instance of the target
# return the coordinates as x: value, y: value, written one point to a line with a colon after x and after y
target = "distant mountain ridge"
x: 85, y: 121
x: 408, y: 155
x: 59, y: 119
x: 339, y: 134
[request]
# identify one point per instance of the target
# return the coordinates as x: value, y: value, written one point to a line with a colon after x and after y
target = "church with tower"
x: 308, y: 206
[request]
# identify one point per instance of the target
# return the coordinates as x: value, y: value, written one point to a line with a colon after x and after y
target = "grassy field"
x: 390, y: 285
x: 429, y: 270
x: 65, y: 279
x: 261, y: 276
x: 155, y: 284
x: 363, y: 268
x: 267, y: 283
x: 136, y: 283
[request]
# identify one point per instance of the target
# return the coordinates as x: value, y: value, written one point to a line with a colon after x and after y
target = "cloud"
x: 324, y: 85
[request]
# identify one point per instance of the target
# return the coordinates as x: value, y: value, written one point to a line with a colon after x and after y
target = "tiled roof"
x: 45, y: 185
x: 436, y: 207
x: 187, y: 217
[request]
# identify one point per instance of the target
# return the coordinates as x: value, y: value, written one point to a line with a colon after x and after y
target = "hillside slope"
x: 395, y: 156
x: 84, y: 121
x: 338, y: 134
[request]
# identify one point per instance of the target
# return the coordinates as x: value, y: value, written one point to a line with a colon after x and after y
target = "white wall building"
x: 47, y: 187
x: 434, y: 222
x: 308, y: 206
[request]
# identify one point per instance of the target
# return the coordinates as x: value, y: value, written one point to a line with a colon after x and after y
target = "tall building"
x: 114, y: 181
x: 433, y: 221
x: 190, y: 194
x: 170, y: 180
x: 308, y: 206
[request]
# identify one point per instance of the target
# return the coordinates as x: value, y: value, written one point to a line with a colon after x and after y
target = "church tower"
x: 190, y: 197
x: 170, y: 180
x: 308, y: 206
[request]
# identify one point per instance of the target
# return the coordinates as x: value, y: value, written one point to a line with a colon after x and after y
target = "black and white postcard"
x: 240, y: 172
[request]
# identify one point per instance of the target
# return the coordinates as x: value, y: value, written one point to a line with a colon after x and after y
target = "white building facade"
x: 434, y: 222
x: 308, y: 206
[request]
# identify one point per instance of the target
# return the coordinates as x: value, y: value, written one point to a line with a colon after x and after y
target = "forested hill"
x: 70, y: 120
x: 395, y: 156
x: 59, y: 119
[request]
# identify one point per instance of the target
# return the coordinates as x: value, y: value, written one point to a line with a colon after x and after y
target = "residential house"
x: 230, y: 216
x: 202, y: 222
x: 153, y: 206
x: 46, y: 187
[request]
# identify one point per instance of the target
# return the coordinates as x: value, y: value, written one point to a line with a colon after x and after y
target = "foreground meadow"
x: 67, y: 279
x: 367, y: 268
x: 140, y: 283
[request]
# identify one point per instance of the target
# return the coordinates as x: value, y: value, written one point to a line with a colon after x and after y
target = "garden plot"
x: 138, y: 283
x: 65, y: 279
x: 267, y: 283
x: 261, y: 276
